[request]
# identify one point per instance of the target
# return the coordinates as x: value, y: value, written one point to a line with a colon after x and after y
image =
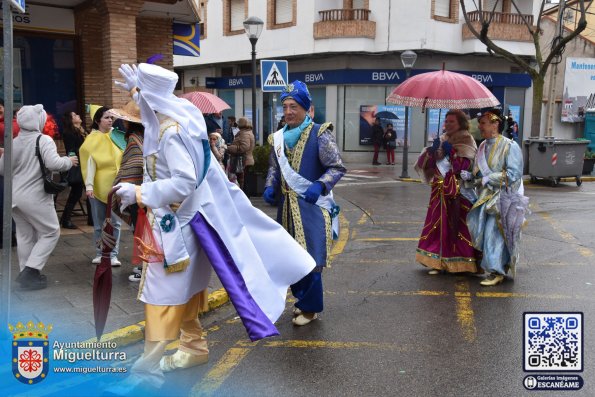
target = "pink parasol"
x: 206, y: 102
x: 442, y: 90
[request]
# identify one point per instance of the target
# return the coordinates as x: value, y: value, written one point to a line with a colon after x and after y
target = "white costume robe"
x: 255, y: 258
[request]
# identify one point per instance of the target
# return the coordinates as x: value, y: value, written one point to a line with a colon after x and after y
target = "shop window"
x: 245, y: 68
x: 281, y: 13
x: 227, y: 71
x: 235, y: 13
x: 445, y: 10
x: 318, y: 95
x: 45, y: 72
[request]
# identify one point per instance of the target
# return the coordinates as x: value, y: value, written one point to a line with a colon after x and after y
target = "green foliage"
x: 261, y: 159
x: 589, y: 154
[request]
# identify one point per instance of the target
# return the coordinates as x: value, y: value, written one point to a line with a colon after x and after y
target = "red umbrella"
x: 442, y: 90
x: 206, y: 102
x: 102, y: 282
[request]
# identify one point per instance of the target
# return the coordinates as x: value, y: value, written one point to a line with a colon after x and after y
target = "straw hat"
x: 130, y: 112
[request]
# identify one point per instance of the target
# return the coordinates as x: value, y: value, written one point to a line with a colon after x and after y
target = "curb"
x: 136, y: 332
x: 583, y: 178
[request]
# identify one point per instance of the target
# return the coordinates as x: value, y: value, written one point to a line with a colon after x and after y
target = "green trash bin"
x: 552, y: 159
x: 590, y: 128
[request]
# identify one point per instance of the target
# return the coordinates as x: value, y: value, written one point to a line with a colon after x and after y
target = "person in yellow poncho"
x: 101, y: 155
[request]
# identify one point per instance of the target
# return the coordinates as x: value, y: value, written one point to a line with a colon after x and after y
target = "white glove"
x: 466, y: 175
x: 127, y: 194
x: 130, y: 75
x: 485, y: 180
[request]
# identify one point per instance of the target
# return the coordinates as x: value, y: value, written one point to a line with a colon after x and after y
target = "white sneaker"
x: 96, y: 260
x: 304, y: 319
x: 137, y: 269
x: 116, y: 262
x: 135, y: 277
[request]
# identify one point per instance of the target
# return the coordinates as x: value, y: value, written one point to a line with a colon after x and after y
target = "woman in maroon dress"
x: 445, y: 243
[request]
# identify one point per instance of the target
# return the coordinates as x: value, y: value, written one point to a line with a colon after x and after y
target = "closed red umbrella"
x: 442, y: 90
x: 206, y: 102
x: 102, y: 282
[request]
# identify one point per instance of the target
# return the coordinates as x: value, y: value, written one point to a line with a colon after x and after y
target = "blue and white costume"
x: 300, y: 157
x: 501, y: 161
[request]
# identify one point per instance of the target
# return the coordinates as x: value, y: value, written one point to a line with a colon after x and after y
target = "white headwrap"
x: 156, y: 86
x: 31, y: 118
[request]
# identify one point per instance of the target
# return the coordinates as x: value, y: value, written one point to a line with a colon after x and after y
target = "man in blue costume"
x: 304, y: 165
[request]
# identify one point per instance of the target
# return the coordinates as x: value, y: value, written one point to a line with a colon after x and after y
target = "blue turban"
x: 297, y: 91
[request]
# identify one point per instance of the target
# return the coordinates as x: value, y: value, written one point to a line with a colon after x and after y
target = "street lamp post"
x: 253, y: 27
x: 408, y: 59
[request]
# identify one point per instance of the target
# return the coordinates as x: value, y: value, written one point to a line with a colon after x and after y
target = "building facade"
x: 581, y: 49
x: 67, y: 52
x: 348, y: 52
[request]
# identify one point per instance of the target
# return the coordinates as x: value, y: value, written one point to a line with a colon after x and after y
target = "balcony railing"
x: 500, y: 17
x: 345, y: 14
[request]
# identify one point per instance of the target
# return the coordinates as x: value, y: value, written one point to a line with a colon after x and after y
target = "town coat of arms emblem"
x: 30, y: 352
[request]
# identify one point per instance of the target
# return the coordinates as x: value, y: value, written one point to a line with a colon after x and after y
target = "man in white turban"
x: 201, y: 221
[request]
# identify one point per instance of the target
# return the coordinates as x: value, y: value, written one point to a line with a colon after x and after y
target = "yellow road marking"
x: 388, y: 239
x: 463, y: 294
x: 401, y: 293
x: 217, y: 375
x: 465, y: 315
x: 376, y: 261
x: 339, y: 245
x: 317, y: 344
x: 584, y: 251
x: 524, y: 296
x: 363, y: 219
x: 400, y: 223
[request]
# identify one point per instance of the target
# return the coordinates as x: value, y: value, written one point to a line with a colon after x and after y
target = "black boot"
x: 32, y: 279
x: 68, y: 225
x: 67, y: 213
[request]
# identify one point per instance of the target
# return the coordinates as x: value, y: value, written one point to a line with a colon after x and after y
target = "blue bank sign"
x: 372, y: 77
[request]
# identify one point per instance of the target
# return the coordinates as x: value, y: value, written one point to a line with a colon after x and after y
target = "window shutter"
x: 442, y: 8
x: 358, y: 4
x: 488, y: 5
x: 237, y: 14
x: 283, y: 11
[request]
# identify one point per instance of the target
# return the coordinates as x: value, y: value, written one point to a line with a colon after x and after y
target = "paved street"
x: 388, y: 327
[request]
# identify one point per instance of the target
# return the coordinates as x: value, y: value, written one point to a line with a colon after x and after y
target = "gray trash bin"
x: 552, y: 159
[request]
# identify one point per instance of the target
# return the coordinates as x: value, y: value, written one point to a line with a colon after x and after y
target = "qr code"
x: 553, y: 342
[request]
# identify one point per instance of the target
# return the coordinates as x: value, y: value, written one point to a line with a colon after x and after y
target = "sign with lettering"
x: 579, y: 86
x: 44, y: 19
x: 389, y: 77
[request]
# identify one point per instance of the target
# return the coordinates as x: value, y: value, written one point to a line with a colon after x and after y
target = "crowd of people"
x: 185, y: 173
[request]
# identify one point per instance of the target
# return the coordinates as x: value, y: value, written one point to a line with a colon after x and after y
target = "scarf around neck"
x: 291, y: 136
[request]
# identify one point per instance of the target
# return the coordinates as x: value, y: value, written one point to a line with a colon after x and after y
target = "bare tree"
x: 542, y: 59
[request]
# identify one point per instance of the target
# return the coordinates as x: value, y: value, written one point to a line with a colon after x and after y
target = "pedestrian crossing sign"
x: 273, y: 75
